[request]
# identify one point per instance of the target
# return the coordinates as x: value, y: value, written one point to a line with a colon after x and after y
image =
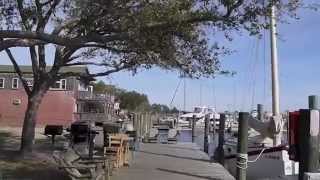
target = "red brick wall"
x: 57, y: 107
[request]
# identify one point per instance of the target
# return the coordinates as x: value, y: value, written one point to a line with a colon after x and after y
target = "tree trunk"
x: 29, y: 123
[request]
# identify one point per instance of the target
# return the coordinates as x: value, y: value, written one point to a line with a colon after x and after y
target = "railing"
x: 87, y: 95
x: 92, y: 116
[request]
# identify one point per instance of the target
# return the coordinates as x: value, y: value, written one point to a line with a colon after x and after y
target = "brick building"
x: 59, y: 105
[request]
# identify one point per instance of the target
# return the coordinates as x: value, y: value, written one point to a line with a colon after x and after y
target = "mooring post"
x: 242, y: 147
x: 213, y: 127
x: 137, y: 135
x: 309, y: 138
x: 219, y: 154
x: 149, y: 122
x: 206, y: 134
x: 143, y: 124
x: 260, y: 112
x: 193, y: 124
x: 313, y: 102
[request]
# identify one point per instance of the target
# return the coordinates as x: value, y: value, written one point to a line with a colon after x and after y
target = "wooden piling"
x: 260, y: 112
x: 309, y: 138
x: 219, y: 153
x: 193, y: 124
x: 242, y: 148
x: 206, y: 134
x: 137, y: 125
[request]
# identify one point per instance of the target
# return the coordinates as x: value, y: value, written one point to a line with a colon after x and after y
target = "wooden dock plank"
x: 171, y: 161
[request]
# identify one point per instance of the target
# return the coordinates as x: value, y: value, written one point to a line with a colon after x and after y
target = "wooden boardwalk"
x: 183, y: 161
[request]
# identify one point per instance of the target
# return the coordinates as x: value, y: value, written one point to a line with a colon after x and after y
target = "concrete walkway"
x: 171, y: 162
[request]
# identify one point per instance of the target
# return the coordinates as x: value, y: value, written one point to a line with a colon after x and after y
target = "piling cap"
x: 313, y: 102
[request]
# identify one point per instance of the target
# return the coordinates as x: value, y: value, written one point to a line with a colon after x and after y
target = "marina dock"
x: 182, y: 161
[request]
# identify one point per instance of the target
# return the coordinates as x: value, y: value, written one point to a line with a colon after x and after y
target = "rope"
x: 175, y: 93
x: 243, y: 160
x: 258, y: 157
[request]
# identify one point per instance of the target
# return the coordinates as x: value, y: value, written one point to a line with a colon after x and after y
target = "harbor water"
x: 186, y: 136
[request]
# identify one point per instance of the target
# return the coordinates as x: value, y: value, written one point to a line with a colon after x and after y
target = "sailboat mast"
x: 184, y: 94
x: 274, y: 64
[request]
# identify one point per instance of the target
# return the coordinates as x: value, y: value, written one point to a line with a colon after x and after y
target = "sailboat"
x: 267, y: 157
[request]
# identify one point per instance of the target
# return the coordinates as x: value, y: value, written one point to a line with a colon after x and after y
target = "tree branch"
x: 65, y: 25
x: 232, y: 8
x: 9, y: 43
x: 63, y: 41
x: 50, y: 11
x: 42, y: 58
x: 87, y: 63
x: 43, y: 20
x: 34, y: 62
x: 19, y: 72
x: 91, y: 76
x: 23, y: 16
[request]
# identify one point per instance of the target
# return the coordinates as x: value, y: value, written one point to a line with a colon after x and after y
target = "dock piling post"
x: 260, y: 112
x: 219, y: 153
x: 242, y: 148
x: 137, y: 129
x: 193, y: 125
x: 309, y: 138
x: 313, y: 102
x: 206, y: 134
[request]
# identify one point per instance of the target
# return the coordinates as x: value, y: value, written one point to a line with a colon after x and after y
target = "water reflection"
x: 186, y: 136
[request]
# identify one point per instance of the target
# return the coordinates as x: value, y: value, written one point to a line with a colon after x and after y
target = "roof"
x: 28, y: 69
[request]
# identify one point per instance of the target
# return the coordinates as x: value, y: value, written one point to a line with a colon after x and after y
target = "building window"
x: 90, y: 88
x: 60, y: 85
x: 29, y: 82
x: 82, y: 87
x: 15, y: 83
x: 2, y: 81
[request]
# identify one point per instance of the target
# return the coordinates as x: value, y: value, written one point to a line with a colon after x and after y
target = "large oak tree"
x: 123, y: 35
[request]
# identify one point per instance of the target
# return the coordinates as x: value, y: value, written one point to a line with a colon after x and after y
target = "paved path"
x: 171, y: 162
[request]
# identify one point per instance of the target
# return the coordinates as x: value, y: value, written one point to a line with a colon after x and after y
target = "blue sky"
x: 299, y: 67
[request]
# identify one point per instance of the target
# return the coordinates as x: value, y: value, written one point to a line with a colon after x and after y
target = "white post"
x: 274, y: 64
x: 184, y: 93
x: 275, y: 76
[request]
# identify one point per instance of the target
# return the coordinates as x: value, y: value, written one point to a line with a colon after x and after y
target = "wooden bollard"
x: 242, y: 148
x: 309, y: 138
x: 219, y: 153
x: 260, y: 112
x: 137, y: 126
x: 206, y: 134
x: 193, y: 126
x: 313, y: 102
